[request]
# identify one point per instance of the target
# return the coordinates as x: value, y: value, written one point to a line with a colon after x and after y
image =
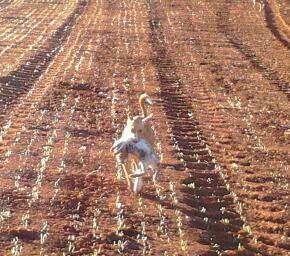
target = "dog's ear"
x: 148, y: 100
x: 145, y: 119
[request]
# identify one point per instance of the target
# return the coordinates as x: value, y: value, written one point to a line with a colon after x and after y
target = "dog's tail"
x: 144, y: 97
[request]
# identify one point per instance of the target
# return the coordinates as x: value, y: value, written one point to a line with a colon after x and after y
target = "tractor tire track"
x: 209, y: 186
x: 21, y: 80
x: 217, y: 123
x: 268, y: 73
x: 23, y: 35
x: 65, y: 126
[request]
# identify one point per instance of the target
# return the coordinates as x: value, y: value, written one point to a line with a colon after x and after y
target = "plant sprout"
x: 25, y: 219
x: 71, y: 246
x: 16, y: 247
x: 44, y: 233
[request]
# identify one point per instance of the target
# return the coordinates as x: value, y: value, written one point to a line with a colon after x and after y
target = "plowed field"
x: 71, y: 72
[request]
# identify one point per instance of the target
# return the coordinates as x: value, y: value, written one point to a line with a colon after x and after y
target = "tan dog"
x: 136, y: 128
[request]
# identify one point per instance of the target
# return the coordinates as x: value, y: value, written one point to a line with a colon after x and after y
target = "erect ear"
x: 148, y: 100
x: 145, y: 119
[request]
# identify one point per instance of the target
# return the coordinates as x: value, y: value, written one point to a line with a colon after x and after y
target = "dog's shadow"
x: 166, y: 204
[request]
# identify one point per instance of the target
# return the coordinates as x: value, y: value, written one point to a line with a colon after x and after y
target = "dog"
x: 136, y: 129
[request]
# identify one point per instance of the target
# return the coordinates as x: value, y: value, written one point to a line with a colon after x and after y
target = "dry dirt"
x: 218, y: 72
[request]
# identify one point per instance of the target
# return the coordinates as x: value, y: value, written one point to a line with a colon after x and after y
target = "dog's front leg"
x: 124, y: 166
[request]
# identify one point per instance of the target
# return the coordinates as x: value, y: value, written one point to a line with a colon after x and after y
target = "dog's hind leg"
x: 138, y: 184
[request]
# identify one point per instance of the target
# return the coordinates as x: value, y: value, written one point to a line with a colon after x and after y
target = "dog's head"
x: 137, y: 124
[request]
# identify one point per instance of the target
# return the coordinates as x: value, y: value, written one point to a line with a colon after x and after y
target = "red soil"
x: 218, y: 72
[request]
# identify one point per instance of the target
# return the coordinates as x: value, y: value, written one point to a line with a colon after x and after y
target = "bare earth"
x: 218, y: 72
